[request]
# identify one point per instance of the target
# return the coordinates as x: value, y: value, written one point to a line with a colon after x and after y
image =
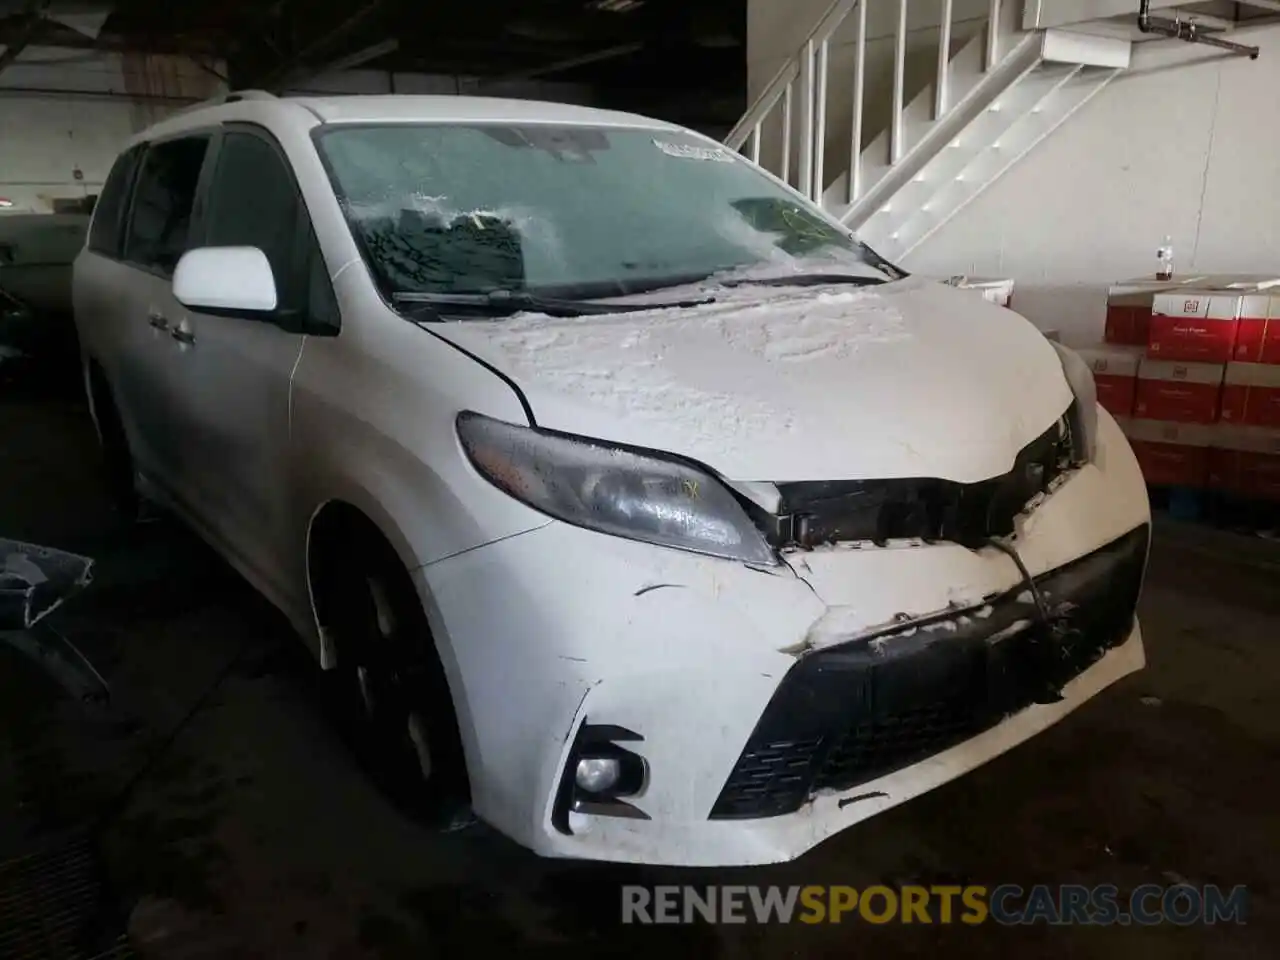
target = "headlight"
x: 613, y: 490
x: 1084, y: 412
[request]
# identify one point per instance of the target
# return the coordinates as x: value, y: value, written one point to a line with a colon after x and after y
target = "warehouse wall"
x: 1186, y: 143
x: 65, y: 113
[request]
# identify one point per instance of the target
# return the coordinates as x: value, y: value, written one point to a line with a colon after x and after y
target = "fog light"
x: 597, y: 774
x: 600, y: 775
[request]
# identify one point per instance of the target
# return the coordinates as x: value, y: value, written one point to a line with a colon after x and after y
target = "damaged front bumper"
x: 776, y: 708
x: 858, y: 711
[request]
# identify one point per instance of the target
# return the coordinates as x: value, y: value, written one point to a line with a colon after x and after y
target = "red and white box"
x: 1258, y: 332
x: 1194, y: 326
x: 1178, y: 392
x: 1251, y: 395
x: 1199, y: 321
x: 1115, y: 371
x: 1129, y: 310
x: 1245, y: 461
x: 1171, y: 454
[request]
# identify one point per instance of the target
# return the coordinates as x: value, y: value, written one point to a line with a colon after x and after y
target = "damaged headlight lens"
x: 1084, y: 412
x: 613, y: 490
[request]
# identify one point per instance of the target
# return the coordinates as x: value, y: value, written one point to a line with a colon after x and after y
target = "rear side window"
x: 163, y: 201
x: 107, y: 232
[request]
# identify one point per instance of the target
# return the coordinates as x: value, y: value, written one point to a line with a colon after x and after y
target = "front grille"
x: 886, y: 743
x: 817, y: 512
x: 54, y: 906
x: 853, y: 713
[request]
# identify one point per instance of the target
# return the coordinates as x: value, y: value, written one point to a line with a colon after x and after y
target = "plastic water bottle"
x: 1165, y: 257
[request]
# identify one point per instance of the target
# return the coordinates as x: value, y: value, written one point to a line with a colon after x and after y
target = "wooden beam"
x: 560, y: 66
x: 32, y: 21
x: 318, y: 47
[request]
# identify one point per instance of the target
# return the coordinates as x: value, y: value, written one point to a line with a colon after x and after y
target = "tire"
x: 389, y: 689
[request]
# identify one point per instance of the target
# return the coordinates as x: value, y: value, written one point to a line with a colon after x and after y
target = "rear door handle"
x: 182, y: 336
x: 158, y: 320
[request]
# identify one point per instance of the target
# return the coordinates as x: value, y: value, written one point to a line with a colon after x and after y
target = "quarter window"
x: 108, y: 214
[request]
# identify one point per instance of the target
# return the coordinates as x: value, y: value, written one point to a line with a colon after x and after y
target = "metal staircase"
x: 990, y: 100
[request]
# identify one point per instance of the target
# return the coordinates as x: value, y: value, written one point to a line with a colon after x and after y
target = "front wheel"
x: 391, y: 692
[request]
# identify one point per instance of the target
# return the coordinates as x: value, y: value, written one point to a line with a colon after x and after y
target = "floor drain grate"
x: 54, y: 906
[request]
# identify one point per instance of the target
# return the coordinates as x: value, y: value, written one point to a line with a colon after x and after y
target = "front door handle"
x: 182, y: 336
x: 158, y: 320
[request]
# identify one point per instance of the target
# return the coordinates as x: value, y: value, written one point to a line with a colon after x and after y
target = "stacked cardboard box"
x: 1129, y: 307
x: 1170, y: 453
x: 1246, y: 461
x: 1115, y: 371
x: 1191, y: 370
x: 1178, y: 392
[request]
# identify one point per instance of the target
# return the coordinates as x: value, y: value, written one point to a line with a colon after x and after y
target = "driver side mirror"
x: 226, y: 282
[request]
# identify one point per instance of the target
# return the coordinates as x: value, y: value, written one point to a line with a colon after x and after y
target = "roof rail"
x: 235, y: 95
x: 217, y: 100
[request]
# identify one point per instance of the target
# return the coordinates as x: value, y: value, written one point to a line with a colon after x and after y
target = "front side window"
x: 580, y: 211
x: 253, y: 203
x: 163, y: 200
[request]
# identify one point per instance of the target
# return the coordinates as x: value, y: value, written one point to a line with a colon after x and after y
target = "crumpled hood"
x: 909, y: 379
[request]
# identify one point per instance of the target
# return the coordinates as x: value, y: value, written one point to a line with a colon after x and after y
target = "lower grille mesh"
x: 52, y: 908
x: 873, y: 747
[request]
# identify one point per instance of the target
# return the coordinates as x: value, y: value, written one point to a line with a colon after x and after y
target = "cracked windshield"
x: 569, y: 211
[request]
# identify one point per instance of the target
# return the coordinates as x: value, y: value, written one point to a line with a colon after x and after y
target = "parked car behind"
x: 625, y: 494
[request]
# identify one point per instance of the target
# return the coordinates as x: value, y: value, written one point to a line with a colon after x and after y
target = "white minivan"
x: 628, y: 498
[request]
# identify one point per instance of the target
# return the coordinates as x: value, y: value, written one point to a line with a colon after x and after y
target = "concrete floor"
x: 256, y: 835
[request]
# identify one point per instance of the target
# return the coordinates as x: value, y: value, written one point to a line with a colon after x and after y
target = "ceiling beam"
x: 345, y: 62
x: 317, y: 47
x: 1272, y: 5
x: 32, y: 21
x: 54, y: 34
x: 560, y: 66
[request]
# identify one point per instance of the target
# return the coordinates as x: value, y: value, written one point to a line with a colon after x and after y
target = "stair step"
x: 995, y: 84
x: 958, y: 175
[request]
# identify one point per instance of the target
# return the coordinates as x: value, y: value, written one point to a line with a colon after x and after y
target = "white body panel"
x: 775, y: 384
x: 249, y: 431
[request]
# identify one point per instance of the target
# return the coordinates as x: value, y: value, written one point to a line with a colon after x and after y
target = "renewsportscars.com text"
x: 1008, y: 904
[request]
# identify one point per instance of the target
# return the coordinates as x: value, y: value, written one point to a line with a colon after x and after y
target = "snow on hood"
x: 909, y: 379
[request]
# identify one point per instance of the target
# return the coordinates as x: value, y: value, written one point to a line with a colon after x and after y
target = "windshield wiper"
x: 506, y: 302
x: 805, y: 280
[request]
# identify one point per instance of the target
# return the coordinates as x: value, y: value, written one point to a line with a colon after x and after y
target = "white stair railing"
x: 801, y: 84
x: 808, y: 69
